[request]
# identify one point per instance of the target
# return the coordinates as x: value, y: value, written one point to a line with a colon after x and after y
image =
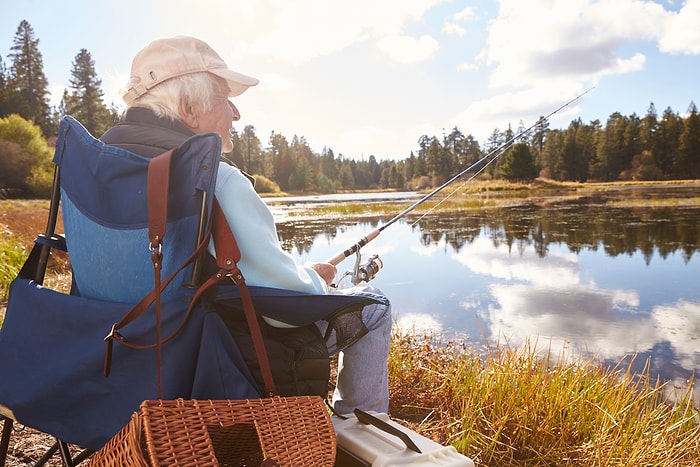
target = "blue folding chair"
x: 52, y: 345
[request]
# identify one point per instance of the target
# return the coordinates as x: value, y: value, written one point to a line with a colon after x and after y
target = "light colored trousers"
x: 363, y: 380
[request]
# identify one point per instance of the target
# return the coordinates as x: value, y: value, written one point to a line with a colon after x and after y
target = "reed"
x: 12, y: 256
x: 521, y: 406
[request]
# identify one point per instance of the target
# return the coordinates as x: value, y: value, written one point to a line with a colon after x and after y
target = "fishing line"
x: 493, y: 155
x: 476, y: 174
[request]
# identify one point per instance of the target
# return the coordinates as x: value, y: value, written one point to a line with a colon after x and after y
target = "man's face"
x: 218, y: 119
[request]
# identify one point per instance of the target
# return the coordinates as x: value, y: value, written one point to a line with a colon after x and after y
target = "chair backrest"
x: 105, y: 212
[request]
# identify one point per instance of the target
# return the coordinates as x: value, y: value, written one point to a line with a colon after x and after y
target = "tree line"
x: 624, y: 148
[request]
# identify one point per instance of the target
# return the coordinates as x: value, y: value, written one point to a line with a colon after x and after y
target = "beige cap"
x: 167, y: 58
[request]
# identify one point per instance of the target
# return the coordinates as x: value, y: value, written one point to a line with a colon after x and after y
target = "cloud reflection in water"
x: 548, y: 299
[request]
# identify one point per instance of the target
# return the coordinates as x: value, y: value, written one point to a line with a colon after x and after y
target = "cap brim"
x: 237, y: 82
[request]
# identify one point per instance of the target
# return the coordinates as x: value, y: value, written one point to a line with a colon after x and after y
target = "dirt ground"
x: 25, y: 218
x: 27, y: 446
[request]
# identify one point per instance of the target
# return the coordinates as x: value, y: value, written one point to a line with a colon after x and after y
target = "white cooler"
x: 368, y: 442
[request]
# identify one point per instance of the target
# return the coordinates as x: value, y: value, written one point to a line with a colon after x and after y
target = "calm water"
x: 568, y: 274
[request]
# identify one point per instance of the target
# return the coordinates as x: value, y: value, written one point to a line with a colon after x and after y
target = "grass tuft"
x: 12, y: 256
x: 519, y: 406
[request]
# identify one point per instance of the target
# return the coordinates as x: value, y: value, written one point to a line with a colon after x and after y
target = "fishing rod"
x: 370, y: 269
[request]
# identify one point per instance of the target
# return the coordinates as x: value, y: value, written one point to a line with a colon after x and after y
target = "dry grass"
x: 519, y: 407
x: 20, y: 222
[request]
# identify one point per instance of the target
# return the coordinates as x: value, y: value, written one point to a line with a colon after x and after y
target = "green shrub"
x: 25, y: 158
x: 265, y: 185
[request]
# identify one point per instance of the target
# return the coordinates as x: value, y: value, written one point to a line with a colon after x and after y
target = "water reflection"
x: 572, y: 306
x: 580, y: 224
x: 573, y: 274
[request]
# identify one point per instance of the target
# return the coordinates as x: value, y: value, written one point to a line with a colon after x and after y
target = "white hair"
x: 164, y: 99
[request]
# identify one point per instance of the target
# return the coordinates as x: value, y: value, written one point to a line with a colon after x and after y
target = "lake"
x: 610, y: 274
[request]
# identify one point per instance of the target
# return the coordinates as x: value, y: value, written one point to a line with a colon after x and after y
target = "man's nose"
x: 234, y: 112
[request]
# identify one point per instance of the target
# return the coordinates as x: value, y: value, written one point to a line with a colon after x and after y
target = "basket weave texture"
x: 291, y: 431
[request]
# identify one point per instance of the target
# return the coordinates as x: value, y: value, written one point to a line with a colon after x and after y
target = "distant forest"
x: 631, y: 147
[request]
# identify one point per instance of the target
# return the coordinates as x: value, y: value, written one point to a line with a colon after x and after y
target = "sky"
x: 370, y: 77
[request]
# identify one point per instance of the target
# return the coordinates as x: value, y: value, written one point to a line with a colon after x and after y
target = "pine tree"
x: 3, y: 88
x: 539, y: 137
x: 494, y: 142
x: 303, y: 173
x: 85, y: 101
x: 611, y: 150
x: 571, y: 165
x: 687, y: 164
x: 27, y: 84
x: 666, y: 140
x: 345, y: 177
x: 550, y: 156
x: 374, y: 172
x: 519, y: 165
x: 251, y: 150
x: 329, y: 165
x: 648, y: 127
x: 586, y: 140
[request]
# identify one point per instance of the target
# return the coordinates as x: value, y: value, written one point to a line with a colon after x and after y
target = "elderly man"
x: 180, y: 86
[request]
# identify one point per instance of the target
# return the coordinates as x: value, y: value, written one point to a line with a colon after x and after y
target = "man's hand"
x: 326, y: 270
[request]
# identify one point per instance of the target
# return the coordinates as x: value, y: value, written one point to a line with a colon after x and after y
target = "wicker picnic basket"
x: 284, y: 431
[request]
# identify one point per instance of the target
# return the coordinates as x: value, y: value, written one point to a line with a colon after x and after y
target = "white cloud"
x: 582, y: 315
x: 275, y: 82
x: 367, y: 134
x: 482, y: 117
x: 427, y: 251
x: 479, y: 257
x: 452, y: 24
x: 300, y: 31
x: 682, y: 31
x: 536, y: 40
x: 405, y: 49
x: 465, y: 14
x: 542, y: 52
x: 468, y: 67
x: 679, y: 324
x: 451, y: 27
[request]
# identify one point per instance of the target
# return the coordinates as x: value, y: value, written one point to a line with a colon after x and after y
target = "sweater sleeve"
x: 263, y: 261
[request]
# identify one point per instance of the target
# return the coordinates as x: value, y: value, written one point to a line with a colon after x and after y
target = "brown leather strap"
x: 227, y: 256
x: 158, y: 182
x: 138, y: 309
x: 157, y: 189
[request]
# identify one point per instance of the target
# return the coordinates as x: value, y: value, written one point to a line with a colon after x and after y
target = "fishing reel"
x: 363, y: 272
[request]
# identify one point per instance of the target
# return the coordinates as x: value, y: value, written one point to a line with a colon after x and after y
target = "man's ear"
x: 188, y: 115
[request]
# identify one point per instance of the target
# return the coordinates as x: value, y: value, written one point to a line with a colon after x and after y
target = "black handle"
x: 369, y: 419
